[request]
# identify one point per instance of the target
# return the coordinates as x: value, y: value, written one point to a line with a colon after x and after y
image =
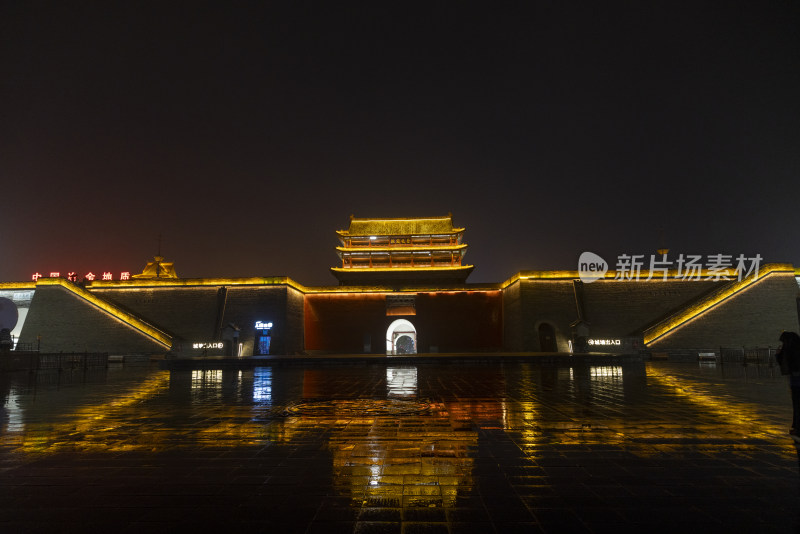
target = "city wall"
x: 453, y: 320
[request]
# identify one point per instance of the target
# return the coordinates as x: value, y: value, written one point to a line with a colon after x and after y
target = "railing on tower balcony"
x: 400, y: 240
x: 401, y: 259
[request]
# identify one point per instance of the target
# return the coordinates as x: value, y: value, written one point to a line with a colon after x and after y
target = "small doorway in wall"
x: 263, y: 338
x: 401, y: 338
x: 547, y: 338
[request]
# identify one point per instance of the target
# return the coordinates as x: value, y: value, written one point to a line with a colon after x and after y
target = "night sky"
x: 246, y: 133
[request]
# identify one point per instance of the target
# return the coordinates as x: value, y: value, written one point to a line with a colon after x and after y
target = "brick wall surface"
x: 512, y: 319
x: 295, y: 322
x: 187, y: 313
x: 247, y: 304
x: 344, y: 322
x: 549, y: 302
x: 196, y: 314
x: 621, y: 309
x: 65, y: 322
x: 459, y: 321
x: 617, y: 309
x: 753, y: 318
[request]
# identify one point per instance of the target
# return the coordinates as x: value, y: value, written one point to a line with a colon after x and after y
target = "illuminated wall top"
x: 405, y: 250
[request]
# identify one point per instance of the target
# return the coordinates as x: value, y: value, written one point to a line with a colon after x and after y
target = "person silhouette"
x: 6, y: 343
x: 788, y: 357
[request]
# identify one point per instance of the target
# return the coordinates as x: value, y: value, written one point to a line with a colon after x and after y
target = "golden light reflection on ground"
x: 592, y: 412
x: 734, y: 417
x: 391, y: 455
x: 401, y: 449
x: 487, y: 448
x: 90, y: 427
x: 403, y: 462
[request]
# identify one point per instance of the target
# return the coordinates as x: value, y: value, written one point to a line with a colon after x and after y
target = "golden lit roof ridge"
x: 401, y: 226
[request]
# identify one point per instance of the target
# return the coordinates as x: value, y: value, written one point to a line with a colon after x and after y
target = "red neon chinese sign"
x: 72, y: 276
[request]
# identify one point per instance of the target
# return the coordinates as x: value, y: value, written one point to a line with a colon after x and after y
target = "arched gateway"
x: 401, y: 338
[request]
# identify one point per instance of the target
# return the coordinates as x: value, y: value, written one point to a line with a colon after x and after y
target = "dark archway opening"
x: 547, y: 338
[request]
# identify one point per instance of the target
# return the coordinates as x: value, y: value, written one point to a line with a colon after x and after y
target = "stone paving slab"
x: 512, y: 447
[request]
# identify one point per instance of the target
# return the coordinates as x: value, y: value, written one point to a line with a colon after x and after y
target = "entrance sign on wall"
x: 604, y: 342
x: 213, y: 345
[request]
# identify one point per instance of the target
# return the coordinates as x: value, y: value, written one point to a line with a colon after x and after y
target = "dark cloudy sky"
x: 246, y: 133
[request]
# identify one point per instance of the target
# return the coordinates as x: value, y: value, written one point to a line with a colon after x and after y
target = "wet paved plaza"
x: 414, y: 449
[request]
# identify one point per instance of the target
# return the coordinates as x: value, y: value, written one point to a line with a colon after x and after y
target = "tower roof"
x: 158, y: 268
x: 408, y: 250
x: 401, y: 226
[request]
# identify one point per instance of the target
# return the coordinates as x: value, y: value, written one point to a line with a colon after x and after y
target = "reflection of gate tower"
x: 407, y: 251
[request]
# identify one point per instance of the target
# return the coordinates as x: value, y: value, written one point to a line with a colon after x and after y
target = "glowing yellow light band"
x: 17, y: 285
x: 393, y: 269
x: 179, y: 283
x: 410, y: 248
x: 700, y: 275
x: 192, y: 282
